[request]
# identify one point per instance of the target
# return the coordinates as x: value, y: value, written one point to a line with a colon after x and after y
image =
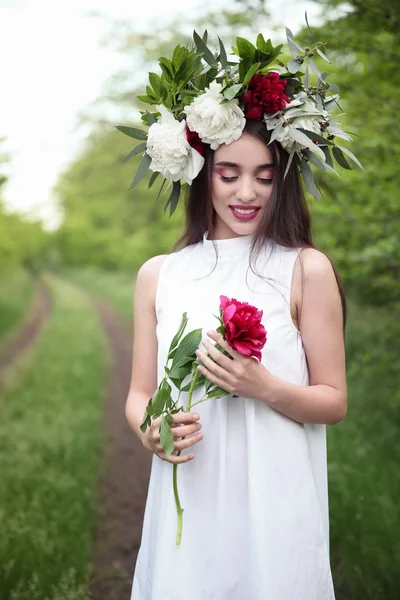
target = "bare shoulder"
x: 316, y: 266
x: 147, y: 277
x: 150, y: 270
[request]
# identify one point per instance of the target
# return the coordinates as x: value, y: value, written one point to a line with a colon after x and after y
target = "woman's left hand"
x: 242, y: 376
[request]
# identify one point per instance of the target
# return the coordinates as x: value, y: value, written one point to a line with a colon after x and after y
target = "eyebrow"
x: 231, y: 164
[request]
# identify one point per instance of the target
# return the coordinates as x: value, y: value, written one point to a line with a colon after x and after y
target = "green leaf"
x: 309, y: 179
x: 173, y: 200
x: 230, y: 92
x: 147, y: 99
x: 253, y: 69
x: 135, y: 151
x: 146, y: 422
x: 314, y: 136
x: 166, y: 437
x: 179, y: 333
x: 217, y: 392
x: 339, y: 157
x: 152, y: 179
x: 155, y: 82
x: 223, y: 59
x: 350, y: 155
x: 161, y: 397
x: 205, y: 51
x: 167, y: 68
x: 142, y: 170
x: 187, y: 348
x: 245, y: 48
x: 133, y: 132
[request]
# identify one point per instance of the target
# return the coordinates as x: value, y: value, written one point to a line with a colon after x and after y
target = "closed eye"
x: 227, y: 179
x: 264, y: 181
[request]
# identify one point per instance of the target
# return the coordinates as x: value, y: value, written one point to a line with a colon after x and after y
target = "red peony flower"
x: 194, y: 140
x: 265, y: 95
x: 244, y: 331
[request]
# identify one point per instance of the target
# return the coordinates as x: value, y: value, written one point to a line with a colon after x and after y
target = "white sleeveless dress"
x: 255, y: 522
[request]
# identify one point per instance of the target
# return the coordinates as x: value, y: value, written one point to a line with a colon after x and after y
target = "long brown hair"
x: 286, y: 219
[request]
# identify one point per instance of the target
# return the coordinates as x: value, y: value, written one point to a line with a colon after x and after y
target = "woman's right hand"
x: 185, y: 425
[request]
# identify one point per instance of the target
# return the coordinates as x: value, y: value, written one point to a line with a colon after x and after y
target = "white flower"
x: 171, y: 153
x: 214, y: 122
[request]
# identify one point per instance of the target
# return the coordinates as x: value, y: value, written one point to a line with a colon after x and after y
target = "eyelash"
x: 259, y: 179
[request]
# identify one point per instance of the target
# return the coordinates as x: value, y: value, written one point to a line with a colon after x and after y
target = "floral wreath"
x: 203, y: 98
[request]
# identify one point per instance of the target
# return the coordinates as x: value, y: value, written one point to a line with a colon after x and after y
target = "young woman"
x: 253, y: 475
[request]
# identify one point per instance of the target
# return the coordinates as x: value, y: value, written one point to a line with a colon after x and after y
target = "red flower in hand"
x: 265, y: 95
x: 244, y: 331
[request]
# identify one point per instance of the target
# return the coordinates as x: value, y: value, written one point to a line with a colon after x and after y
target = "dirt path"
x: 37, y: 314
x: 125, y: 476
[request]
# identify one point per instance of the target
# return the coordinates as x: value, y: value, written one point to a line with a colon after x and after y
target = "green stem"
x: 179, y: 508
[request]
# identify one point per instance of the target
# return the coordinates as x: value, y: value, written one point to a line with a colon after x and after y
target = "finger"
x: 187, y: 442
x: 183, y: 430
x: 219, y: 358
x: 177, y: 460
x: 214, y: 379
x: 211, y: 365
x: 218, y: 338
x: 185, y: 417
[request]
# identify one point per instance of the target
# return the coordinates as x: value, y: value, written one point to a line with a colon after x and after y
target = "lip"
x: 243, y: 217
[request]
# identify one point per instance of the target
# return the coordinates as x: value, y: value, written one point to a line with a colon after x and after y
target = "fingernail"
x: 191, y: 456
x: 196, y: 416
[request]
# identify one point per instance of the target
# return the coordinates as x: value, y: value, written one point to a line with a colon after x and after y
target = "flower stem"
x: 179, y: 508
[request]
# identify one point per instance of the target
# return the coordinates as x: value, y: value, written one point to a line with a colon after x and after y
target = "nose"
x: 246, y: 189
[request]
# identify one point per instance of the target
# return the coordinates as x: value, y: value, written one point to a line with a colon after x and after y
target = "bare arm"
x: 321, y: 327
x: 144, y: 370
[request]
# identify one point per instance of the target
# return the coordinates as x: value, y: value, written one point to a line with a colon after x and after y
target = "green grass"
x: 115, y: 287
x: 50, y: 448
x: 16, y: 293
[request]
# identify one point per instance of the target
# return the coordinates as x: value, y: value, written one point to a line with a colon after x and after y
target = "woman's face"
x: 241, y: 186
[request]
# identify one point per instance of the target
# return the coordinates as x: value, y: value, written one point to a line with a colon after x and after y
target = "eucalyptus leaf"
x: 309, y: 28
x: 314, y: 136
x: 173, y: 200
x: 328, y: 157
x: 150, y: 118
x: 340, y: 158
x: 304, y: 140
x: 137, y: 150
x: 315, y: 160
x: 152, y: 179
x: 350, y: 155
x: 161, y: 189
x: 293, y: 47
x: 293, y: 66
x: 166, y: 437
x: 205, y: 51
x: 291, y: 155
x: 133, y: 132
x: 334, y: 88
x: 309, y: 179
x: 142, y: 170
x: 230, y: 92
x: 222, y: 54
x: 314, y: 67
x: 306, y: 72
x: 322, y: 55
